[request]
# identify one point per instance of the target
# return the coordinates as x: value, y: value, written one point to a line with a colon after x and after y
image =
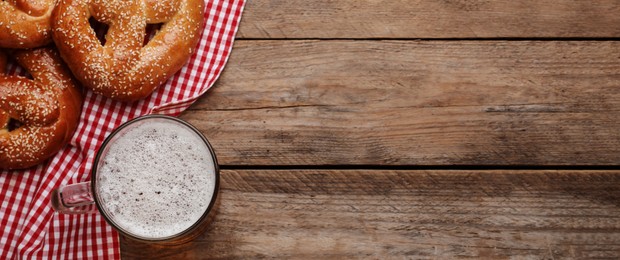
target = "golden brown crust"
x: 124, y: 69
x: 25, y: 23
x: 48, y: 106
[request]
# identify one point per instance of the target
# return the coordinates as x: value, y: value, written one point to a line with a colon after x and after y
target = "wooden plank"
x: 415, y: 103
x: 408, y: 214
x: 429, y: 19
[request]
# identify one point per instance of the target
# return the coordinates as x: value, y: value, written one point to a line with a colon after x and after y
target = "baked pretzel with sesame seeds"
x: 37, y: 116
x: 123, y: 68
x: 25, y: 23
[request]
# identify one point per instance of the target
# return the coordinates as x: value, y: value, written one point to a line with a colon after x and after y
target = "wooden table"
x: 415, y: 129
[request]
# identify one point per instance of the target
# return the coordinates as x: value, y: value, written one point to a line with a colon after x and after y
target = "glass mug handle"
x: 74, y: 199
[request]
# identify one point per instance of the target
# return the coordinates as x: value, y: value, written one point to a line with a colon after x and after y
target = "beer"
x: 155, y: 179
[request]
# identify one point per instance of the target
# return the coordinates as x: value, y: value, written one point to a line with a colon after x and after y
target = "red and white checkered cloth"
x: 29, y: 228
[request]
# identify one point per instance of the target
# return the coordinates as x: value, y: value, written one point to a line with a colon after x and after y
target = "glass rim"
x: 98, y: 156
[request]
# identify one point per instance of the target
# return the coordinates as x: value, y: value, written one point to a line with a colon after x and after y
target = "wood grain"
x: 429, y: 19
x: 415, y: 103
x: 409, y: 214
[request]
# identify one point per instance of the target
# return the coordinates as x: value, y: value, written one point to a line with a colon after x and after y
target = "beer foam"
x: 156, y: 179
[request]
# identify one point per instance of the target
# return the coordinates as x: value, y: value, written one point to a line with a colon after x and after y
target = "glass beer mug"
x: 155, y: 179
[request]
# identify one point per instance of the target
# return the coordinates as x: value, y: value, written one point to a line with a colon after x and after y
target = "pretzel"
x: 25, y: 23
x: 124, y: 68
x: 46, y: 107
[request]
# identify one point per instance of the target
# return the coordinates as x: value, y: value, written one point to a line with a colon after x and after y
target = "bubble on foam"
x: 157, y: 179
